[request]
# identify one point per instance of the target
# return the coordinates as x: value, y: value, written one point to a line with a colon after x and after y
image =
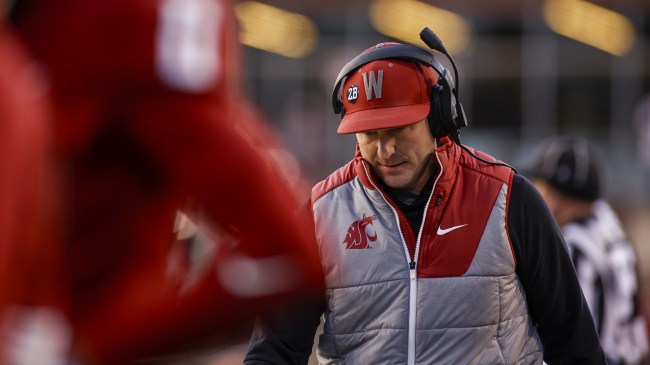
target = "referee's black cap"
x: 569, y: 164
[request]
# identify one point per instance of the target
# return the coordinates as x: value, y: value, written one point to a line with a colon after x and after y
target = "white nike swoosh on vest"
x: 442, y: 231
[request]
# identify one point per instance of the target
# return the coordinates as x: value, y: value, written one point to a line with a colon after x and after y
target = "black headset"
x: 446, y: 115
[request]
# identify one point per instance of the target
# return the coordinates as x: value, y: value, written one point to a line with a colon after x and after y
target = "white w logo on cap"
x: 374, y: 84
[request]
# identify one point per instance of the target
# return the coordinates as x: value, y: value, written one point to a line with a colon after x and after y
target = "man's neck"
x: 405, y: 198
x: 411, y: 203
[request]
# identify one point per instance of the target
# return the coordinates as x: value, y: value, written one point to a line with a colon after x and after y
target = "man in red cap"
x: 433, y: 252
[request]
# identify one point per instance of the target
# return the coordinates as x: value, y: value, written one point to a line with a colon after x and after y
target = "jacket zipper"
x: 413, y: 290
x: 412, y: 265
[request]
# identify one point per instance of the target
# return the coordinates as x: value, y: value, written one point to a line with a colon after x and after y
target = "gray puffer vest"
x: 448, y: 296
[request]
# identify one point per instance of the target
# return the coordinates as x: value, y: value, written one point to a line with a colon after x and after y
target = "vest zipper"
x: 413, y: 295
x: 412, y: 265
x: 413, y: 287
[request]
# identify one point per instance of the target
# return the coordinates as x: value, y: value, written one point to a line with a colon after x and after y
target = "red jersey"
x: 27, y: 180
x: 29, y: 245
x: 148, y: 117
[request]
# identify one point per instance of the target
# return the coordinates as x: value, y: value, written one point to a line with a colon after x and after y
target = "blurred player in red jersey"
x: 148, y: 117
x: 28, y: 211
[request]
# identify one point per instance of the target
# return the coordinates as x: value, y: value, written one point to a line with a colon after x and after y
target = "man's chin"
x: 394, y: 183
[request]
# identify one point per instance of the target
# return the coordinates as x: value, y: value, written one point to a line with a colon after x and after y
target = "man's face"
x: 401, y: 157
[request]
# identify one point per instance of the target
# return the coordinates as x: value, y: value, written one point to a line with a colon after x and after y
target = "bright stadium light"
x: 404, y: 19
x: 275, y: 30
x: 591, y: 24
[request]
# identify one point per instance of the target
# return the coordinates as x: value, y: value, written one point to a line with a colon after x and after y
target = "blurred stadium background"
x: 528, y: 70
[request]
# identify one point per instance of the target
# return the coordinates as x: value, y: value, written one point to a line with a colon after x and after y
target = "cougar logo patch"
x: 357, y: 237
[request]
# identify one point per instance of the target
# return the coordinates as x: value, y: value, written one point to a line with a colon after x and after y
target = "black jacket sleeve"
x: 286, y: 336
x: 553, y: 292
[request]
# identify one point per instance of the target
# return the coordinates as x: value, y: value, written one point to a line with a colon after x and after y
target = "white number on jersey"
x: 187, y: 44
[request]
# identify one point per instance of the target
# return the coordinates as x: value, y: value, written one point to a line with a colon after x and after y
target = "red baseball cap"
x: 386, y: 93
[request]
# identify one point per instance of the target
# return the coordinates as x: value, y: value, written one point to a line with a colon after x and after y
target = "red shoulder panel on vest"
x: 339, y: 177
x: 452, y: 243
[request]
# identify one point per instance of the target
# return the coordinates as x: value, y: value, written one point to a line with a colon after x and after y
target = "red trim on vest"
x: 362, y: 174
x: 512, y: 248
x: 339, y: 177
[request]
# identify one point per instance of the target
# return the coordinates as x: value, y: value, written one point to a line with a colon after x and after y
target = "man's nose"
x: 386, y: 146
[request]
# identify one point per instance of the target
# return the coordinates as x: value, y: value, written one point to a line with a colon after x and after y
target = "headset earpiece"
x: 435, y: 113
x: 447, y: 122
x: 337, y: 97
